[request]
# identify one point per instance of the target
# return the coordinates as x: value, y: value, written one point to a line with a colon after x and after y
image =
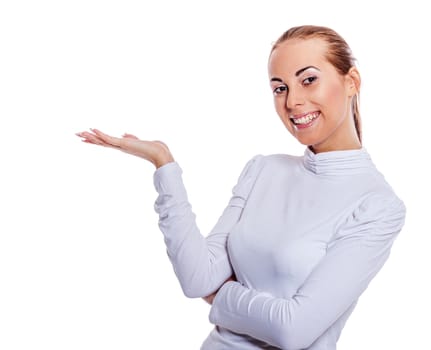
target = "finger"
x: 161, y: 143
x: 90, y: 138
x: 83, y: 135
x: 114, y: 141
x: 130, y: 136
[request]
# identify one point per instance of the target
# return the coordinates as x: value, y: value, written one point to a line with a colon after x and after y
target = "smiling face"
x: 312, y: 99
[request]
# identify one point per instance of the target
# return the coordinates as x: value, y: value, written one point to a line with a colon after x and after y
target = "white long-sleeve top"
x: 303, y: 235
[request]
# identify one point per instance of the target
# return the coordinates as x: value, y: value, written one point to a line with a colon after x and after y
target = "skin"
x: 155, y: 152
x: 317, y: 89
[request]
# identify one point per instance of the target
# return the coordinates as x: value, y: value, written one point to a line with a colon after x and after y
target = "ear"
x: 353, y: 81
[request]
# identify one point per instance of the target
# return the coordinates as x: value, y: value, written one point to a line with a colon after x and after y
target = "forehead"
x: 294, y: 54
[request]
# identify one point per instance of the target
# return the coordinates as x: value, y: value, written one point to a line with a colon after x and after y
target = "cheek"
x: 280, y: 108
x: 332, y: 96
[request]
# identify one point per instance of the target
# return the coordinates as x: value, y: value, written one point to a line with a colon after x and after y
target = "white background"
x: 82, y: 261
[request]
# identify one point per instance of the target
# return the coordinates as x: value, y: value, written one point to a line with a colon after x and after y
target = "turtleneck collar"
x: 347, y: 162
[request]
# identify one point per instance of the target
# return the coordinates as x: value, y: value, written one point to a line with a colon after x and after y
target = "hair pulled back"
x: 339, y: 55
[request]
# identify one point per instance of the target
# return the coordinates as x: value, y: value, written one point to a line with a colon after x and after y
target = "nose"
x: 294, y: 99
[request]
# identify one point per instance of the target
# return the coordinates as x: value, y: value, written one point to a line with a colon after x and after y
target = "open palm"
x: 157, y: 152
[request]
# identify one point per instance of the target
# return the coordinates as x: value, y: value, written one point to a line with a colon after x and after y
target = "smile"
x: 304, y: 120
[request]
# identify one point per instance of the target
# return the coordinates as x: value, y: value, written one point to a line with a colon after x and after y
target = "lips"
x: 304, y: 120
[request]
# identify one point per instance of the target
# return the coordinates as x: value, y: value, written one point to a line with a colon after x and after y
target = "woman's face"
x: 312, y: 99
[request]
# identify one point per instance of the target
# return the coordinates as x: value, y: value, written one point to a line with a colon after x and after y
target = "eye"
x: 280, y: 90
x: 309, y: 80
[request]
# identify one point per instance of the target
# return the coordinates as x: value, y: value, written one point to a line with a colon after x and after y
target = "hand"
x: 209, y: 299
x: 156, y: 152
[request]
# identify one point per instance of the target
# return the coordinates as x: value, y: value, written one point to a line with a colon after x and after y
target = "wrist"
x: 163, y: 160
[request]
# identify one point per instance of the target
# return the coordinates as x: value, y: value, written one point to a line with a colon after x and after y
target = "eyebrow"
x: 296, y: 74
x: 304, y: 69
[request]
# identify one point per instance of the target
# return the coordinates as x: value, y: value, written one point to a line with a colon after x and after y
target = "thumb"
x: 161, y: 143
x: 130, y: 136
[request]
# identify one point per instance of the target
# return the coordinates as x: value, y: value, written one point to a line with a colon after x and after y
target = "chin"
x: 307, y: 141
x: 310, y: 138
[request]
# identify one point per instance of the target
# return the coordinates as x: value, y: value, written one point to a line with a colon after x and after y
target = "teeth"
x: 305, y: 119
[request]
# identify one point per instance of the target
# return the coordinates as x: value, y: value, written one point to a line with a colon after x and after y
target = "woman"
x: 301, y: 237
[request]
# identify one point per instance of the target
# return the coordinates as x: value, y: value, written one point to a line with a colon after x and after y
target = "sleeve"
x: 354, y: 256
x: 200, y: 263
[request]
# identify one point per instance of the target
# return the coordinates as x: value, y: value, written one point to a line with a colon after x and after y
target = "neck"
x: 344, y: 146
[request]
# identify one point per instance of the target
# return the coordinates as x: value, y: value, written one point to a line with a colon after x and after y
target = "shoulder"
x: 375, y: 221
x: 252, y: 167
x: 379, y: 198
x: 270, y: 162
x: 378, y: 216
x: 281, y: 159
x: 381, y: 204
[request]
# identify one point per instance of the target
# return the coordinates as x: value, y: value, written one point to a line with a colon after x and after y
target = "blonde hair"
x: 339, y: 55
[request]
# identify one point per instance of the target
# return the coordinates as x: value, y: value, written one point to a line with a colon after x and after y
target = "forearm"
x: 260, y: 315
x: 201, y: 264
